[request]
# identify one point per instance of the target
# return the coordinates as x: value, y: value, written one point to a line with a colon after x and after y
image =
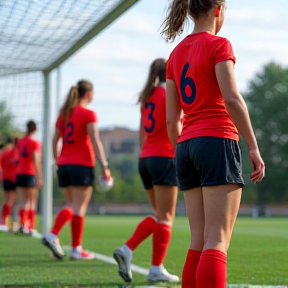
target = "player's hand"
x: 39, y: 183
x: 106, y: 173
x: 258, y: 166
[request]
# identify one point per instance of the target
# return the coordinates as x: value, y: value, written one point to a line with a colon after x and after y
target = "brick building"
x: 119, y: 140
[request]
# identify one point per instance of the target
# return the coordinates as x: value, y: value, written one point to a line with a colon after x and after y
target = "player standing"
x: 28, y: 177
x: 158, y: 174
x: 77, y: 126
x: 8, y: 162
x: 201, y: 81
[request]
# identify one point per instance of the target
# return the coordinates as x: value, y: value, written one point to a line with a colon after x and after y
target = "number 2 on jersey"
x: 150, y: 117
x: 185, y: 84
x: 68, y: 132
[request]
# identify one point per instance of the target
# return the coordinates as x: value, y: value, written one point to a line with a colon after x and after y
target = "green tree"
x: 267, y: 100
x: 6, y: 121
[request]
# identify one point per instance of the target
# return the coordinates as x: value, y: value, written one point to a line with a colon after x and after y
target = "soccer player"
x: 8, y: 162
x: 28, y: 177
x: 201, y: 81
x: 158, y: 174
x: 77, y: 126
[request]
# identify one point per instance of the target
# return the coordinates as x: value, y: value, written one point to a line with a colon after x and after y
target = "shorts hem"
x: 164, y: 184
x: 75, y: 185
x: 216, y: 183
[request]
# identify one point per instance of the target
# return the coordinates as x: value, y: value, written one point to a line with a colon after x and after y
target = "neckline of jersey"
x: 199, y: 33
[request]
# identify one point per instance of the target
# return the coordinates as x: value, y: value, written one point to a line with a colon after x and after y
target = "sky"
x: 117, y: 60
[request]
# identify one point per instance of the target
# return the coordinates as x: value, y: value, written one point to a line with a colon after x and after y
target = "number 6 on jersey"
x: 186, y: 84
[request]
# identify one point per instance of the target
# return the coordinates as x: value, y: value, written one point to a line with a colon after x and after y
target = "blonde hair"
x: 75, y: 93
x: 178, y: 12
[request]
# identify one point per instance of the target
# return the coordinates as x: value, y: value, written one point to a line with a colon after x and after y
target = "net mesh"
x: 34, y: 34
x: 22, y: 95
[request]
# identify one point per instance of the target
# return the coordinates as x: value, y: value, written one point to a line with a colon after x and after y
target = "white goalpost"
x: 36, y: 37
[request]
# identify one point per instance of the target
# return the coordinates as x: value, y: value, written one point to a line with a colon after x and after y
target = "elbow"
x: 234, y: 101
x: 169, y: 122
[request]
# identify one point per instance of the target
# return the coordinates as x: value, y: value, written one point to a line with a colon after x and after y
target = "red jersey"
x: 153, y: 115
x: 26, y: 148
x: 77, y: 147
x: 9, y: 161
x: 192, y: 66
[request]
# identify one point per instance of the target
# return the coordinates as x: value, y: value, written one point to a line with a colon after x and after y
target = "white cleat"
x: 123, y: 257
x: 51, y: 241
x: 80, y: 254
x: 162, y: 275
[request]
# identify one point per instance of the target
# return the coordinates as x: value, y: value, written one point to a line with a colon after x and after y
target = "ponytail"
x: 70, y: 103
x: 178, y: 11
x: 177, y: 15
x: 157, y: 71
x: 75, y: 94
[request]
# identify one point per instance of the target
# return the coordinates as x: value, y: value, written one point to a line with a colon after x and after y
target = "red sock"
x: 23, y: 216
x: 161, y: 239
x: 211, y: 272
x: 143, y: 230
x: 190, y: 268
x: 31, y: 217
x: 61, y: 219
x: 77, y: 226
x: 6, y: 210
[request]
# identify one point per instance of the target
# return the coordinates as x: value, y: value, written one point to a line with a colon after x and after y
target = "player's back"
x: 192, y: 66
x: 9, y: 164
x: 26, y: 148
x: 153, y: 115
x: 77, y: 147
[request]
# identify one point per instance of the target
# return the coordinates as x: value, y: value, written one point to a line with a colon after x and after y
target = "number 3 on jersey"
x: 150, y: 117
x: 68, y: 131
x: 187, y: 86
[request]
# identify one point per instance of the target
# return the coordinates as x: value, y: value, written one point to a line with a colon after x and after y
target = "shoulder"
x: 217, y: 41
x: 91, y: 115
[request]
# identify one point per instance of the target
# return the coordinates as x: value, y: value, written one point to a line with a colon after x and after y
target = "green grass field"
x: 258, y: 255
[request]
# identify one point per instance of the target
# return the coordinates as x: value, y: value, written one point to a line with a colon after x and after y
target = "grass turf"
x: 258, y: 254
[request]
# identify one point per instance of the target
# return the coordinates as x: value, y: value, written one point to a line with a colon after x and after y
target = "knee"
x: 165, y: 217
x: 218, y: 241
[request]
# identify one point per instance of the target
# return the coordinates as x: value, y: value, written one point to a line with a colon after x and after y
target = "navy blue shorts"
x: 208, y: 161
x: 75, y: 175
x: 9, y: 185
x: 157, y: 171
x: 26, y: 181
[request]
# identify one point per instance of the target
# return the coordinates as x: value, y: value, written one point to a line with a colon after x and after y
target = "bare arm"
x: 97, y: 146
x: 141, y: 134
x: 55, y: 143
x: 238, y: 111
x: 173, y: 112
x: 38, y: 168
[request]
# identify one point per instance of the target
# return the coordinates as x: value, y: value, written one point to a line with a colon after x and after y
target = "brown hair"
x: 31, y: 127
x: 177, y: 14
x: 76, y: 92
x: 157, y: 69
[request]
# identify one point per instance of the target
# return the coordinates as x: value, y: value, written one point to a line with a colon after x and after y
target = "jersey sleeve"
x: 169, y: 74
x: 91, y: 117
x: 37, y: 146
x: 224, y: 52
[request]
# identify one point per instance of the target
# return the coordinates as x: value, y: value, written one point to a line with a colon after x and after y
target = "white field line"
x: 145, y: 271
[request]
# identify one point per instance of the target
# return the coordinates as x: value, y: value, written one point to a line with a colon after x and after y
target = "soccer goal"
x: 36, y: 37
